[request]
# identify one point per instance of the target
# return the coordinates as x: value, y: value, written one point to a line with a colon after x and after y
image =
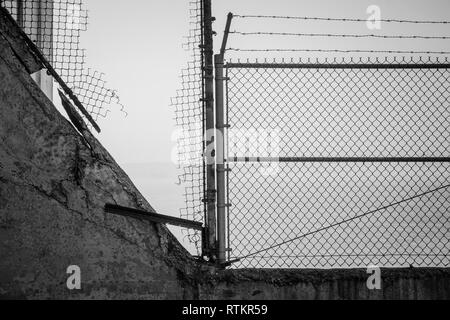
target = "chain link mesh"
x: 189, y: 117
x: 55, y: 26
x: 322, y: 114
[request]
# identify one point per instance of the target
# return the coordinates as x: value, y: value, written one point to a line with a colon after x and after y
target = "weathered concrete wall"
x: 53, y: 188
x: 405, y: 284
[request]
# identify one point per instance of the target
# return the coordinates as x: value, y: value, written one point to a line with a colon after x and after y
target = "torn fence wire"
x: 55, y: 26
x: 189, y: 116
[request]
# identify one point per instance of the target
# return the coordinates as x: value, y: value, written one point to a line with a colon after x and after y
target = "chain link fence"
x: 189, y: 108
x: 338, y: 165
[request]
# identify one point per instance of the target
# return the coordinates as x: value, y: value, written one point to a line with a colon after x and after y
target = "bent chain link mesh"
x: 55, y: 26
x: 335, y: 112
x: 189, y: 117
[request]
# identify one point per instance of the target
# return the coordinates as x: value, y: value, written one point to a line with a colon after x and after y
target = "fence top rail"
x: 338, y: 159
x: 337, y: 65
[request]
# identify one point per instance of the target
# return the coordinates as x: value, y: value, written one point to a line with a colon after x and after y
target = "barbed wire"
x: 341, y: 19
x: 262, y: 33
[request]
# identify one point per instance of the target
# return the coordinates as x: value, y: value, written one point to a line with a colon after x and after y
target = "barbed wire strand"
x: 341, y: 222
x: 331, y: 35
x: 342, y: 19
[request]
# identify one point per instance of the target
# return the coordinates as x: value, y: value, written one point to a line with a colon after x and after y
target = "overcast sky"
x: 138, y: 45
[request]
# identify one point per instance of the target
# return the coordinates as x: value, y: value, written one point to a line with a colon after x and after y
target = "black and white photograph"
x: 224, y: 155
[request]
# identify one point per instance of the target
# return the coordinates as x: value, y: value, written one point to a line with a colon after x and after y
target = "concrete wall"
x: 405, y: 284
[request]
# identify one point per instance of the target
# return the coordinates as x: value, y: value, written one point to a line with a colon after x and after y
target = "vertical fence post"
x: 220, y: 147
x: 220, y: 160
x: 210, y: 246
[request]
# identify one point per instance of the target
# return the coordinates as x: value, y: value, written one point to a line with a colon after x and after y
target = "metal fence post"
x: 208, y: 72
x: 220, y: 160
x: 220, y: 147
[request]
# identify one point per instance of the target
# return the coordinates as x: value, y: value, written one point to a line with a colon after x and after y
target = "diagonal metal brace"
x: 153, y: 217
